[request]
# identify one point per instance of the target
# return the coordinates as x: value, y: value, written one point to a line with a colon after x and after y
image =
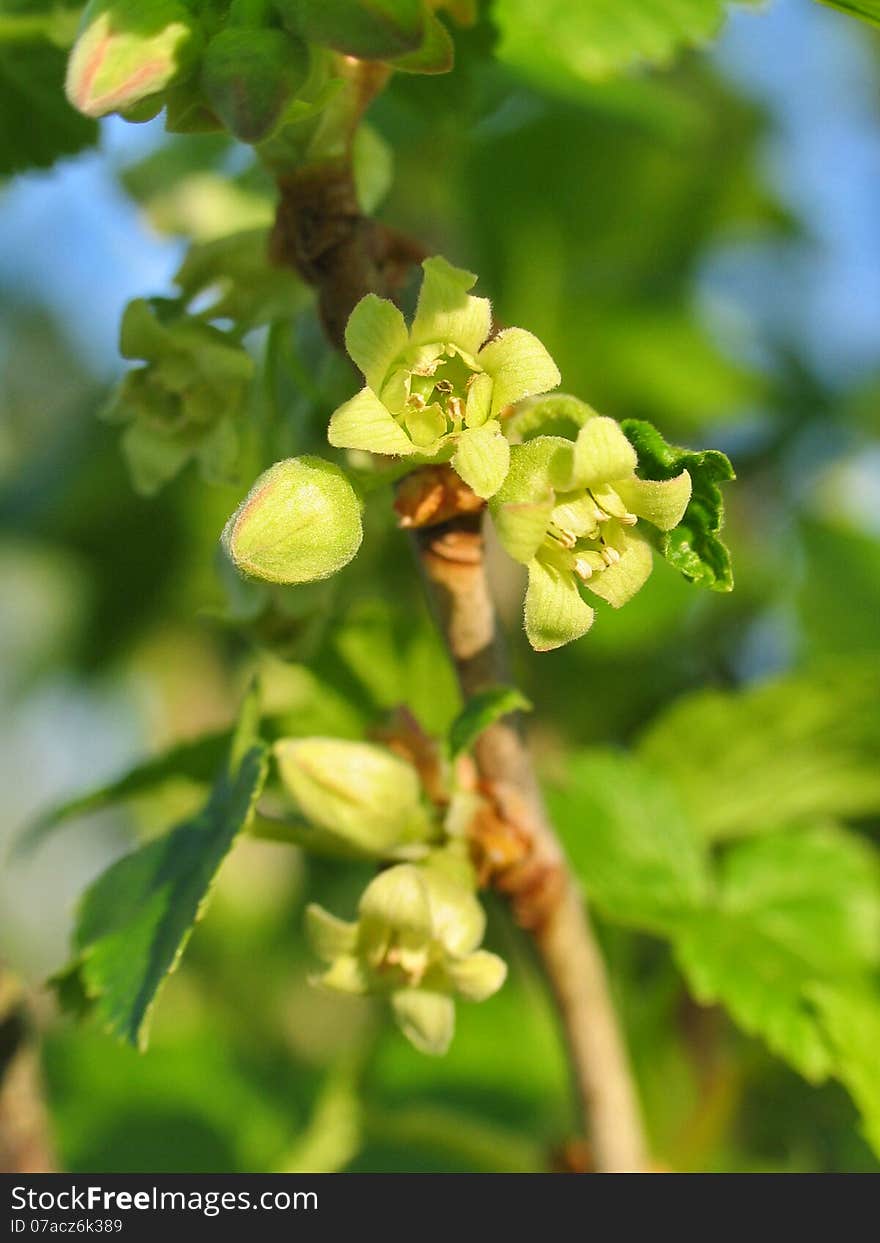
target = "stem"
x: 25, y: 1147
x: 320, y: 231
x: 544, y: 894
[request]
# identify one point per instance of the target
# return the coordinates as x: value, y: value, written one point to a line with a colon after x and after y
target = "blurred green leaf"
x: 136, y: 919
x: 867, y: 10
x: 793, y: 910
x: 629, y: 841
x: 481, y: 711
x: 793, y: 749
x: 593, y: 39
x: 39, y: 124
x: 851, y: 1018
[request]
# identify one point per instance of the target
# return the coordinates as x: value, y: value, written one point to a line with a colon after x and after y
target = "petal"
x: 398, y: 898
x: 659, y: 501
x: 478, y: 976
x: 554, y: 611
x: 375, y: 335
x: 602, y: 453
x: 522, y: 507
x: 426, y: 1019
x: 425, y: 427
x: 621, y: 581
x: 482, y: 458
x: 365, y: 423
x: 328, y: 936
x: 520, y: 367
x: 447, y: 312
x: 479, y: 399
x: 346, y: 975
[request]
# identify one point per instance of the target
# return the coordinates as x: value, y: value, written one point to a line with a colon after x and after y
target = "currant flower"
x: 569, y: 510
x: 415, y: 942
x: 437, y: 389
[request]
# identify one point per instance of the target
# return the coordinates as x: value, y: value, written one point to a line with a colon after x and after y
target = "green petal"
x: 447, y: 312
x: 346, y: 975
x: 478, y: 976
x: 328, y: 936
x: 621, y: 581
x: 659, y: 501
x: 375, y: 335
x: 397, y: 898
x: 560, y: 414
x: 522, y: 507
x: 479, y: 399
x: 520, y: 367
x: 426, y: 426
x: 482, y: 458
x: 365, y: 423
x: 426, y: 1019
x: 153, y: 458
x: 555, y: 614
x: 602, y: 454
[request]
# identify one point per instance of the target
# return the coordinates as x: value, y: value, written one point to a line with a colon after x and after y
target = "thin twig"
x: 25, y: 1146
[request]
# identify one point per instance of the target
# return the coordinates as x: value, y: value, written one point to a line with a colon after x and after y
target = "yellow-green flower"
x: 436, y: 390
x: 416, y: 942
x: 570, y: 511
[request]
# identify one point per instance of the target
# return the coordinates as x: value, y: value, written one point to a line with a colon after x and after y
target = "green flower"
x: 416, y: 942
x: 183, y: 403
x: 569, y: 510
x: 435, y: 391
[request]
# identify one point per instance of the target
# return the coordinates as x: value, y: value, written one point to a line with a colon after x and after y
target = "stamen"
x: 628, y: 519
x: 610, y: 555
x: 583, y: 569
x: 416, y: 401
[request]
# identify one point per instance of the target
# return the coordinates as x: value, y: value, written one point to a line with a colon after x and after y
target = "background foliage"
x: 664, y: 219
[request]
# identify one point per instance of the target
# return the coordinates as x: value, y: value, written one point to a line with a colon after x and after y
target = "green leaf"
x: 482, y: 458
x: 793, y: 910
x: 135, y: 920
x: 594, y: 39
x: 851, y: 1018
x: 629, y: 841
x: 796, y: 748
x: 481, y: 711
x: 235, y: 273
x: 694, y: 547
x: 39, y: 125
x: 867, y: 10
x: 194, y: 761
x: 300, y: 522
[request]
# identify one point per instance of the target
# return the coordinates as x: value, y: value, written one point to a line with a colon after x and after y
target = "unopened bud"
x: 250, y: 75
x: 301, y: 521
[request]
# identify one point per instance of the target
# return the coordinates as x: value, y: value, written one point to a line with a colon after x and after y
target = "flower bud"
x: 368, y: 799
x: 301, y: 521
x: 126, y: 51
x: 249, y: 76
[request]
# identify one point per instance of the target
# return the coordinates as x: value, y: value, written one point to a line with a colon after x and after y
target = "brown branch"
x: 321, y: 232
x: 533, y: 871
x: 25, y: 1146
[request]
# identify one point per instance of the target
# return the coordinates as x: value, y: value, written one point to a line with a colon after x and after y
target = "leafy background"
x: 696, y: 243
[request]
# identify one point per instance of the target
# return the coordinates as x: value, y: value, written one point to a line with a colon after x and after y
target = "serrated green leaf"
x: 594, y: 39
x: 194, y: 761
x: 135, y: 920
x: 851, y: 1018
x: 39, y: 125
x: 793, y: 910
x: 481, y: 711
x: 694, y: 547
x: 793, y: 749
x: 629, y: 841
